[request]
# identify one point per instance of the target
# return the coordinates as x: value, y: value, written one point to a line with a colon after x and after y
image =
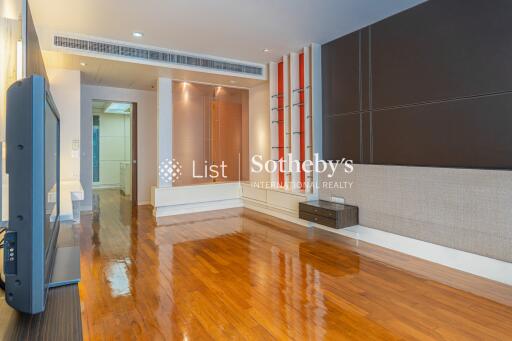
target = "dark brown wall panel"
x: 340, y: 76
x: 475, y: 132
x: 442, y: 49
x: 365, y: 138
x: 421, y: 82
x: 364, y: 49
x: 342, y: 132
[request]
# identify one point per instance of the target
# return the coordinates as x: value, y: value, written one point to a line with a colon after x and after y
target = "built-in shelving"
x: 291, y: 106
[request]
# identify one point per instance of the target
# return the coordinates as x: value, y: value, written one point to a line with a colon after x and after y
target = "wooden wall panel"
x: 343, y: 131
x: 366, y: 138
x: 340, y: 75
x: 364, y: 72
x: 229, y: 144
x: 474, y: 132
x: 442, y: 50
x: 414, y: 78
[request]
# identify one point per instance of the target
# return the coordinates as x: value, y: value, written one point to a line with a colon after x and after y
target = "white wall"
x: 115, y: 147
x: 146, y: 137
x: 65, y: 89
x: 259, y: 128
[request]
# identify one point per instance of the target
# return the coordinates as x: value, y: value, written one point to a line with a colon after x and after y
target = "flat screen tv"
x: 32, y: 138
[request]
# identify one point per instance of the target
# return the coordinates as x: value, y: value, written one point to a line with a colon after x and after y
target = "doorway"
x: 114, y: 135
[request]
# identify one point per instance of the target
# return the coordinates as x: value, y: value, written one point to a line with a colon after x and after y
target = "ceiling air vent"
x: 160, y: 56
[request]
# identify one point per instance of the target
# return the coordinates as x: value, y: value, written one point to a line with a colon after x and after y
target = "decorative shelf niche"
x: 295, y: 104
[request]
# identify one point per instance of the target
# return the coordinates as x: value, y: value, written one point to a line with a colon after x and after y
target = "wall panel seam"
x: 370, y: 92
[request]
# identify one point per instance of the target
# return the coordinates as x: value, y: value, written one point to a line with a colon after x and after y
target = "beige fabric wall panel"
x: 465, y: 209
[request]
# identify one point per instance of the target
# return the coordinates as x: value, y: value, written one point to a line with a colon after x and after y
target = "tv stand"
x: 66, y: 269
x: 61, y: 319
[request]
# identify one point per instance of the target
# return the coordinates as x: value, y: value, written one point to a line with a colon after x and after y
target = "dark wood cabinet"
x: 329, y: 213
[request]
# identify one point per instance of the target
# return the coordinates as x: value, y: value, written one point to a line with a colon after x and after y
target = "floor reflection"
x: 117, y: 277
x: 239, y: 274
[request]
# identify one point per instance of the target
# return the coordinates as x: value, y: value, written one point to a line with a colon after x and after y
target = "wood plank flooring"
x: 239, y: 274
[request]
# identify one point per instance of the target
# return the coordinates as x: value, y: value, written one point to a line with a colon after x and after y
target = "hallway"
x: 241, y: 274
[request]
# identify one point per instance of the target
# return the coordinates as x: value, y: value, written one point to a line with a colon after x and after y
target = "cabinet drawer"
x: 317, y: 211
x: 318, y: 219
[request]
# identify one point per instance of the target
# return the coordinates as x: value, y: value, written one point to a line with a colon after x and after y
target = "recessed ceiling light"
x: 83, y: 64
x: 266, y: 50
x: 138, y: 34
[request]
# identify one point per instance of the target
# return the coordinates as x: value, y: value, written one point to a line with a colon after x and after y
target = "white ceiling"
x: 238, y: 29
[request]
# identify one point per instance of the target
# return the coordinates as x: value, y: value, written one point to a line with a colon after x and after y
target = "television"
x: 32, y: 139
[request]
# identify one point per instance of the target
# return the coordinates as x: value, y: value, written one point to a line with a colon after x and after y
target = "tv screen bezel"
x: 28, y: 273
x: 52, y: 243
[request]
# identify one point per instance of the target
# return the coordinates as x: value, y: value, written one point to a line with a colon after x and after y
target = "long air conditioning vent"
x: 136, y: 52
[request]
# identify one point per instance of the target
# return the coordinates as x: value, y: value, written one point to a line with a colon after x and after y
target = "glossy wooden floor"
x: 238, y: 274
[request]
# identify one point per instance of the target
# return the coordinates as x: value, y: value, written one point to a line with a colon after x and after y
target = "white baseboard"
x: 486, y: 267
x: 275, y: 212
x: 196, y: 207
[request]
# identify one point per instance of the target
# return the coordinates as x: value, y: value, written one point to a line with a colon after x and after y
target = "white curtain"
x: 8, y: 39
x: 9, y: 36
